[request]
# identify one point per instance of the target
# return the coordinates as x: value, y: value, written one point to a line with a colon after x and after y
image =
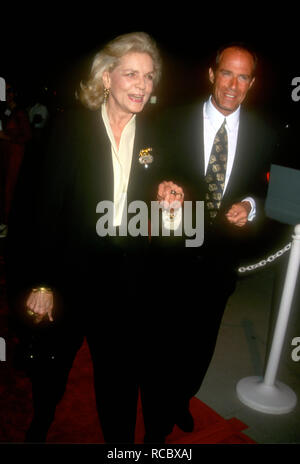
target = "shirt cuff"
x: 252, y: 213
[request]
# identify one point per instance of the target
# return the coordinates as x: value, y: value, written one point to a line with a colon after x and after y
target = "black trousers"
x: 121, y: 368
x: 202, y: 296
x: 124, y: 325
x: 155, y: 336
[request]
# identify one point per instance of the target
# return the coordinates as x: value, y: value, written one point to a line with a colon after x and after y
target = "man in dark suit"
x: 233, y: 195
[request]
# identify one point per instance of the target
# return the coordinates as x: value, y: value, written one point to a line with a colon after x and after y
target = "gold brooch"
x: 145, y: 156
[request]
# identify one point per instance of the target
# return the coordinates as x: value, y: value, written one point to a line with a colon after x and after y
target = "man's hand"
x: 238, y: 213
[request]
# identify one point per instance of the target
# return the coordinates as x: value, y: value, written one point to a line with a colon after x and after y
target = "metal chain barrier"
x: 263, y: 262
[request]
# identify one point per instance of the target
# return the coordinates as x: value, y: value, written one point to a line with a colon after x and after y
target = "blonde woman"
x: 100, y: 154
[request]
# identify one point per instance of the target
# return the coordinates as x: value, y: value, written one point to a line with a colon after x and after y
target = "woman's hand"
x: 170, y: 193
x: 39, y: 304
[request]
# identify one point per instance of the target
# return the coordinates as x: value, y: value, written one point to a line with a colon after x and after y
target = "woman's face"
x: 130, y: 83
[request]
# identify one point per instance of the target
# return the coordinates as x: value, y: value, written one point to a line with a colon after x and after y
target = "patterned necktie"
x: 216, y: 171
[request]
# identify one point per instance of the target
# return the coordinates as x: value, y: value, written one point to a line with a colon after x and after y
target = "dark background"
x: 52, y: 45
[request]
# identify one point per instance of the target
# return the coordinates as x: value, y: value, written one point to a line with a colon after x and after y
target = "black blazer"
x: 182, y: 144
x: 53, y: 239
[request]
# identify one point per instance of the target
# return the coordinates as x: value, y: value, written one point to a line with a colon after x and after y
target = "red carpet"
x: 76, y: 420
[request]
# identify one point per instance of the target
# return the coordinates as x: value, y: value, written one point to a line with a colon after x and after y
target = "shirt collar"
x: 106, y: 119
x: 216, y: 118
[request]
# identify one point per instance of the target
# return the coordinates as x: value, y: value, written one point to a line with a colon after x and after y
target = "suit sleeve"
x: 36, y: 221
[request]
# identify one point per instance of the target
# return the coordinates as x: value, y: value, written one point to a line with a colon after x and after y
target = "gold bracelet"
x: 42, y: 290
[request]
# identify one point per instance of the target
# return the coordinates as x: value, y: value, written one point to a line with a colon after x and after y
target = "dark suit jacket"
x: 182, y: 143
x: 53, y: 239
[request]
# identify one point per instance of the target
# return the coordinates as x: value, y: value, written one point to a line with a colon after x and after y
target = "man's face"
x: 232, y: 79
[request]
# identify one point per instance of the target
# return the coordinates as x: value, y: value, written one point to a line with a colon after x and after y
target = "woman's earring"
x: 106, y: 94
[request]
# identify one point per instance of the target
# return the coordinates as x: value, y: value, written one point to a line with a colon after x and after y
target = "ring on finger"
x: 30, y: 313
x: 173, y: 192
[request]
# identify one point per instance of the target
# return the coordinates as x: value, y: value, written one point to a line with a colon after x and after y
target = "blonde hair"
x: 91, y: 93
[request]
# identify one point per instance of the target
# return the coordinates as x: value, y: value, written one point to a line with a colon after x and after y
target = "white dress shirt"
x: 212, y: 120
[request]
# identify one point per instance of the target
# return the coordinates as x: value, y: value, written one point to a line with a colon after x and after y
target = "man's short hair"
x: 238, y: 45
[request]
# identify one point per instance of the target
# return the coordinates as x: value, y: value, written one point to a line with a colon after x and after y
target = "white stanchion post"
x: 268, y: 395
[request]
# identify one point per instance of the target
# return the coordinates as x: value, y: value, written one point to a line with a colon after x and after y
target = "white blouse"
x: 122, y: 159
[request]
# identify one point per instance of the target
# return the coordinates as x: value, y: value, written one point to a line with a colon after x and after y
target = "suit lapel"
x: 142, y: 179
x: 195, y: 140
x: 183, y: 148
x: 98, y: 158
x: 193, y: 151
x: 133, y: 180
x: 242, y: 160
